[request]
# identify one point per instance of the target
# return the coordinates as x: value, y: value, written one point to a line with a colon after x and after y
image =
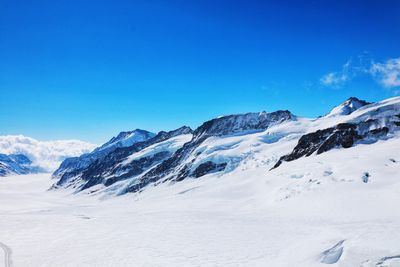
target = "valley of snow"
x: 310, y: 212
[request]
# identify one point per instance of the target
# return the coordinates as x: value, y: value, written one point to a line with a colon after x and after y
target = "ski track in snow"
x: 7, y: 254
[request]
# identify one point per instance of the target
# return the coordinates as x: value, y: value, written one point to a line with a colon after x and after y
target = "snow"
x: 44, y: 154
x: 170, y: 145
x: 295, y: 215
x: 333, y: 254
x: 333, y: 209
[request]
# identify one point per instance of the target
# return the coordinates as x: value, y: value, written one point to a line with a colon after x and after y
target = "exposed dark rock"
x: 343, y: 135
x: 365, y: 177
x: 208, y: 167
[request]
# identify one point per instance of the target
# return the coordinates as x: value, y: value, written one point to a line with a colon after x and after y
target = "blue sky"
x: 89, y: 69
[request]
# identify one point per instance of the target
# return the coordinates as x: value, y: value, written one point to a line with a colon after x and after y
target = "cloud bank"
x: 385, y: 73
x: 44, y: 154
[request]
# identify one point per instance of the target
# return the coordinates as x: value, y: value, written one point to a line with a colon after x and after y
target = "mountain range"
x: 134, y: 160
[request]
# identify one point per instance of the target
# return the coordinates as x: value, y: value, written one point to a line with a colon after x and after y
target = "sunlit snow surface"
x: 315, y: 211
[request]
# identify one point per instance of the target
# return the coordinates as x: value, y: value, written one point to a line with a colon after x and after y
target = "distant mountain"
x: 45, y: 155
x: 16, y: 164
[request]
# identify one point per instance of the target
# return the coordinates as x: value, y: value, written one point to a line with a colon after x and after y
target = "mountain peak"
x: 348, y: 107
x: 127, y: 138
x: 237, y: 123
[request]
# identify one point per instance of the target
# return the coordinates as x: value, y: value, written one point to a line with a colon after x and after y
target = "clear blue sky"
x: 89, y: 69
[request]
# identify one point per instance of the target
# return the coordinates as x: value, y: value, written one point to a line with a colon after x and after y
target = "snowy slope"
x: 311, y: 212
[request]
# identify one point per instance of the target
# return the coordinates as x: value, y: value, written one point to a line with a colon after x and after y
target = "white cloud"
x: 336, y: 79
x: 45, y: 154
x: 388, y: 73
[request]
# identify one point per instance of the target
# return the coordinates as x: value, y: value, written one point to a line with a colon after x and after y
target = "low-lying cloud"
x: 44, y: 154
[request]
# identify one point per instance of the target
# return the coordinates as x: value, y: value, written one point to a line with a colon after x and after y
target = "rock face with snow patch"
x: 377, y: 124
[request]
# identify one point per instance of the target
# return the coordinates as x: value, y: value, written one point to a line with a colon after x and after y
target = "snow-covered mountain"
x: 16, y: 164
x: 125, y: 139
x: 172, y: 155
x: 228, y: 143
x: 45, y: 155
x: 347, y: 107
x: 73, y: 167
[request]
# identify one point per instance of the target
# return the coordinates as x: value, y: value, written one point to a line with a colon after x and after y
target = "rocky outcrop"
x: 343, y: 135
